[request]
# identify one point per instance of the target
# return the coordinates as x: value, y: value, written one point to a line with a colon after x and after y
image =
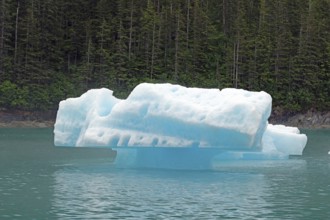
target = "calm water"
x: 39, y: 181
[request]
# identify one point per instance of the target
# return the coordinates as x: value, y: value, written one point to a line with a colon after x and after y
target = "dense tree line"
x: 53, y: 49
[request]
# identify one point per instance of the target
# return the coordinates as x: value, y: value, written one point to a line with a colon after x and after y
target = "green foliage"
x: 51, y: 50
x: 12, y: 96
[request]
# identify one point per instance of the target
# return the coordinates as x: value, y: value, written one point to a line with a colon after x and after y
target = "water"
x: 39, y: 181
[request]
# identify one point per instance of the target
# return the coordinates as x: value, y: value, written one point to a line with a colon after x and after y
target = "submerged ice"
x: 166, y: 115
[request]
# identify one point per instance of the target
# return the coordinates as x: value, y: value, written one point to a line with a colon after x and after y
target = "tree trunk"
x: 153, y: 47
x: 188, y: 21
x: 217, y: 73
x: 235, y: 62
x: 237, y: 66
x: 130, y: 33
x: 2, y: 33
x: 176, y: 64
x: 224, y: 16
x: 16, y: 33
x: 187, y: 35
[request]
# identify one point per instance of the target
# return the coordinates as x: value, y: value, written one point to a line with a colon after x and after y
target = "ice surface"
x: 287, y: 140
x: 166, y: 115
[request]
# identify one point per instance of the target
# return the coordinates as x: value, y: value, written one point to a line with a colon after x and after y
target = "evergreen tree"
x: 52, y: 50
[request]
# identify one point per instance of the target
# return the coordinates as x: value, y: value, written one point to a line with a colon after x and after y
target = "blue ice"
x: 171, y: 126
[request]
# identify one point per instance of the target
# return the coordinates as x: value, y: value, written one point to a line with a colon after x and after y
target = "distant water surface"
x: 40, y: 181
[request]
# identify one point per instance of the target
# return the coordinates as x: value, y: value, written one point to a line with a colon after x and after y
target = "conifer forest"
x: 54, y: 49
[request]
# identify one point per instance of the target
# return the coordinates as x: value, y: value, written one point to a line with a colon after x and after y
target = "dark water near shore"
x: 39, y: 181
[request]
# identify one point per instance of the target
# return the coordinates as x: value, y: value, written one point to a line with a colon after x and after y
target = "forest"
x: 54, y: 49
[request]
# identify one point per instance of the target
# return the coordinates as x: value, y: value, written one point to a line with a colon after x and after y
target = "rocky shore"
x: 27, y: 124
x: 310, y: 119
x: 20, y: 119
x: 24, y: 119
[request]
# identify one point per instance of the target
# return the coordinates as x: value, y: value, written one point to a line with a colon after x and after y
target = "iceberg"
x: 165, y: 125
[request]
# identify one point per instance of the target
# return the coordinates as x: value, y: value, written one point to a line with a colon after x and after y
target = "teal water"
x: 40, y: 181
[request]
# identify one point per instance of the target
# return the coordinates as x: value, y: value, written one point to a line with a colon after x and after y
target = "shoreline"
x: 27, y: 119
x: 50, y: 124
x: 27, y: 124
x: 308, y: 120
